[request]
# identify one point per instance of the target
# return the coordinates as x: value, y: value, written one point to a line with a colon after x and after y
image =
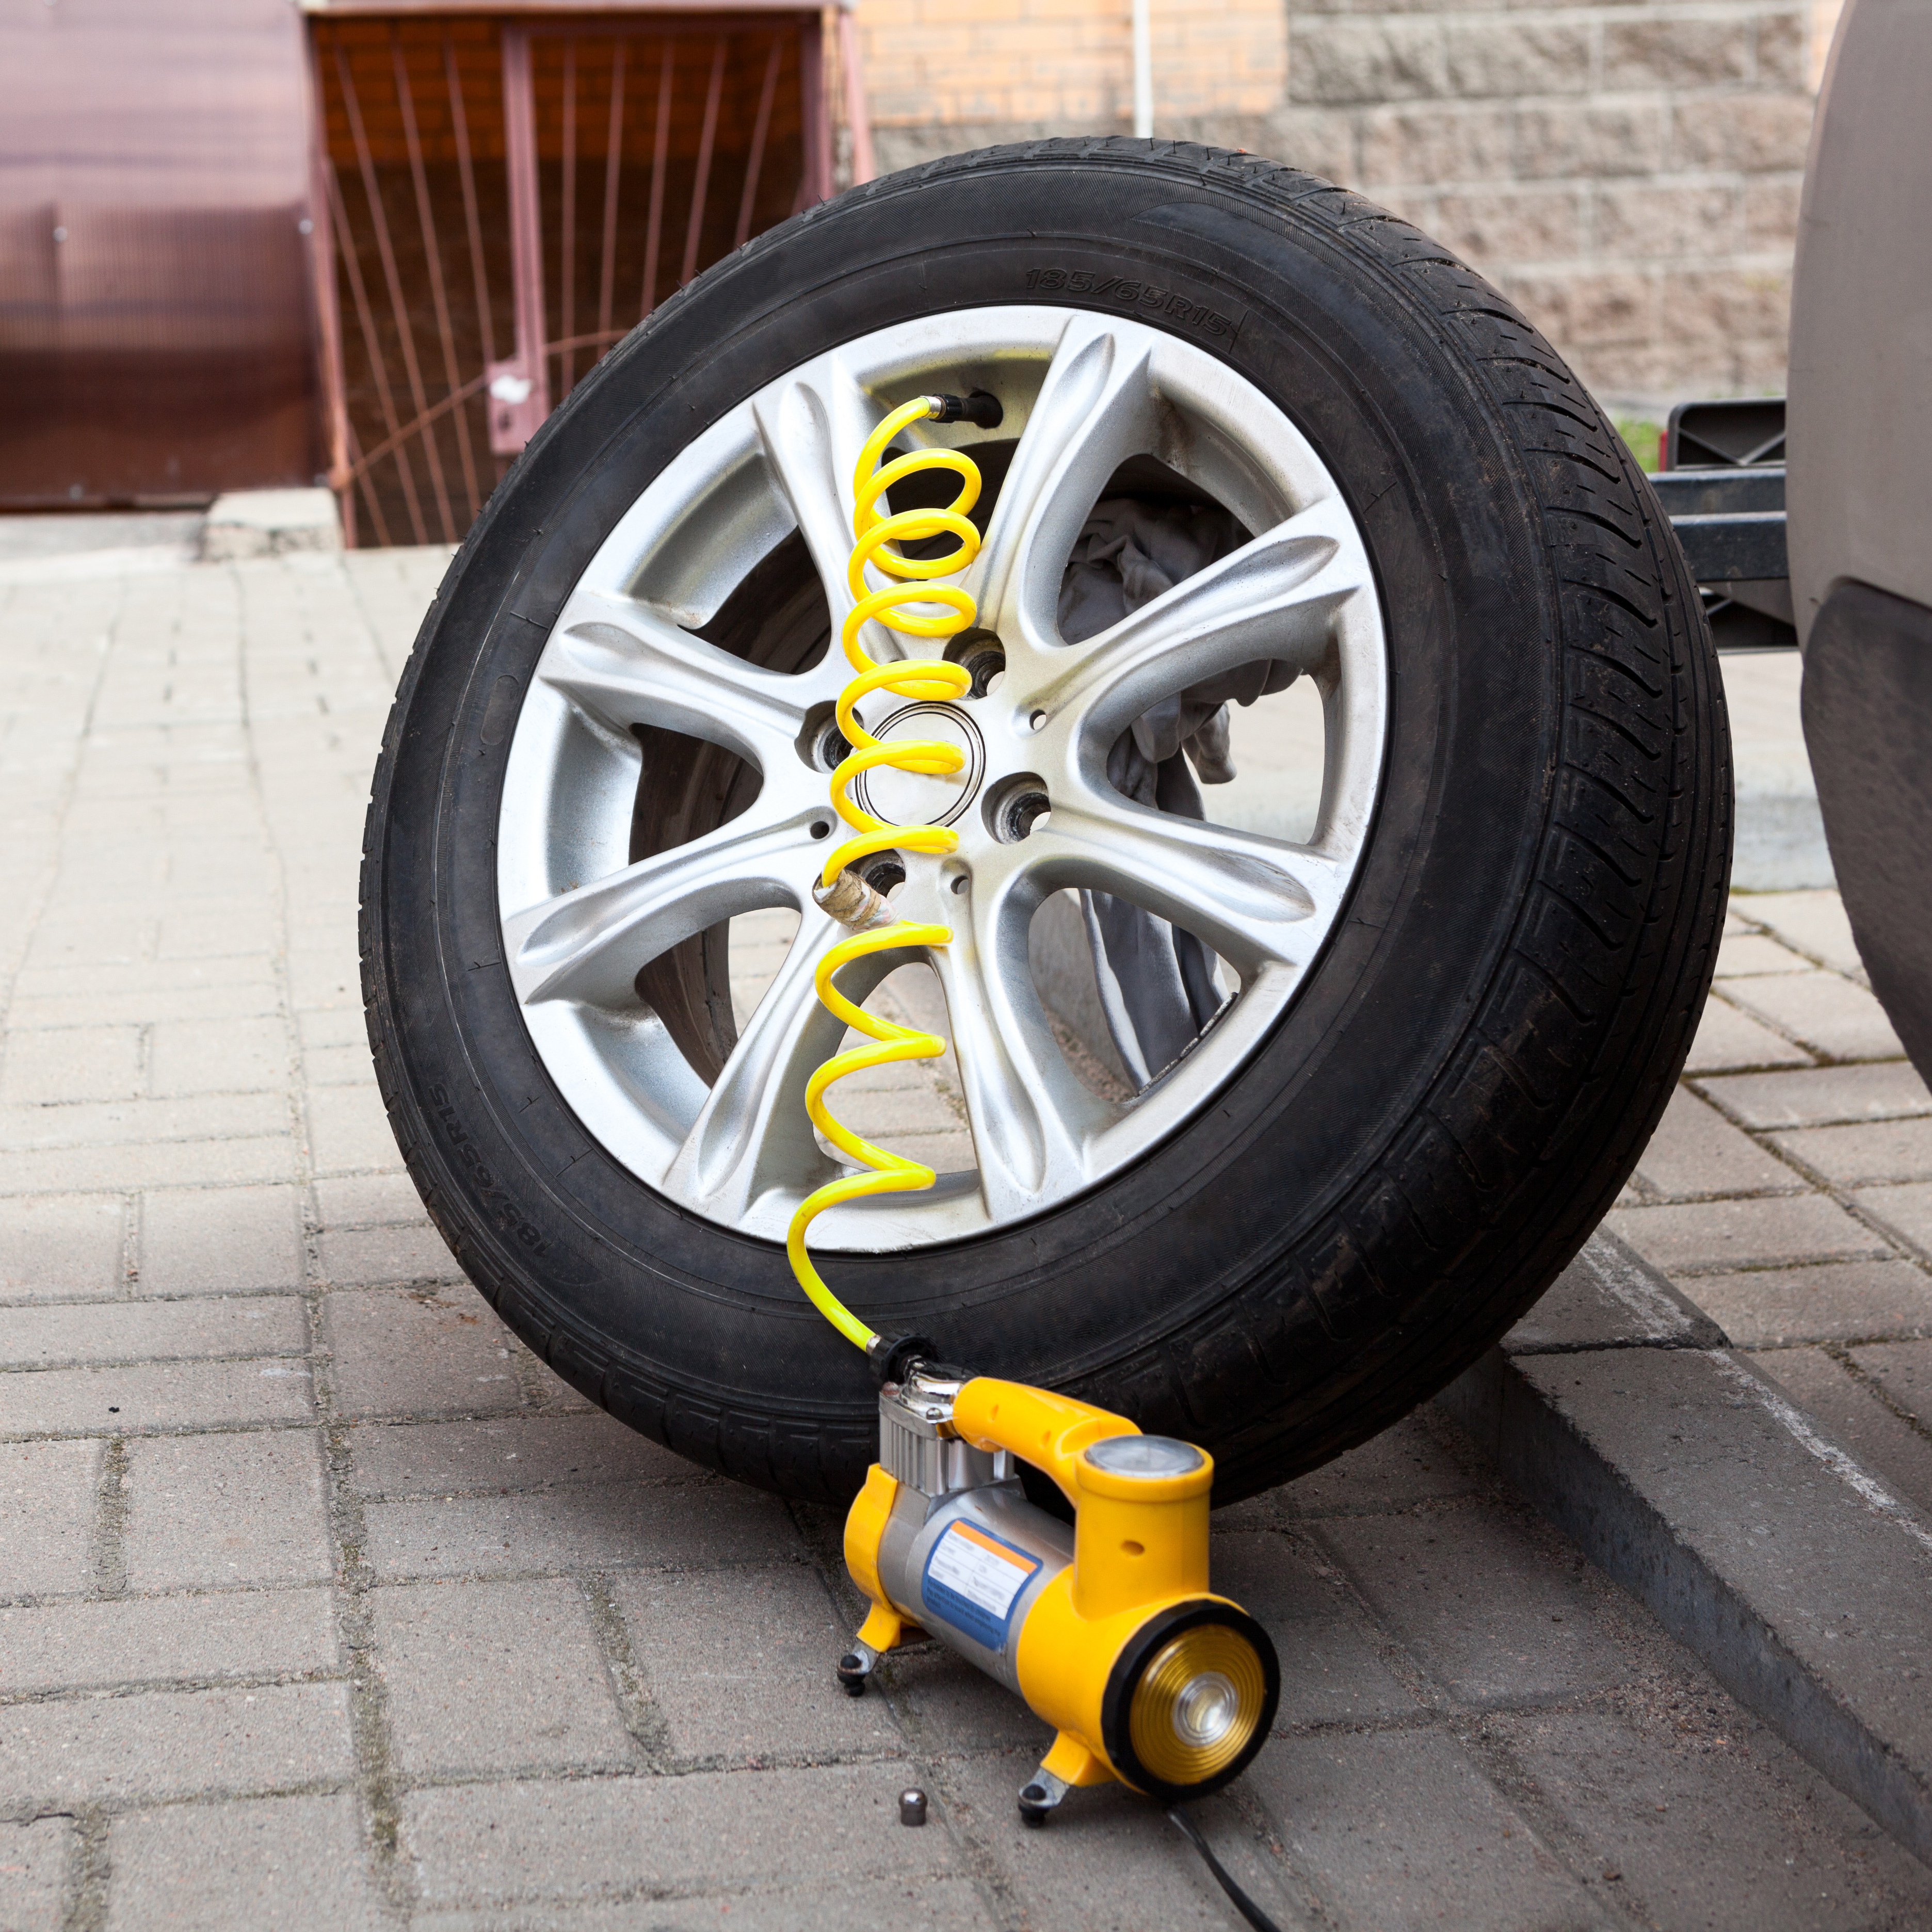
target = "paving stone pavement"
x: 323, y: 1604
x: 1789, y: 1190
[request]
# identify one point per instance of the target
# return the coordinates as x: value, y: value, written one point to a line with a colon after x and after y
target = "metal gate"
x: 500, y: 197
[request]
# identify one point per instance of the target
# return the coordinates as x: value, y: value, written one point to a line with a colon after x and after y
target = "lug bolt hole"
x: 1013, y: 809
x: 988, y: 666
x: 959, y: 884
x: 1037, y: 720
x: 1019, y: 815
x: 979, y: 652
x: 820, y: 830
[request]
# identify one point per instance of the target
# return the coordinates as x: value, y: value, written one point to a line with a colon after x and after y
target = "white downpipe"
x: 858, y: 120
x: 1143, y: 72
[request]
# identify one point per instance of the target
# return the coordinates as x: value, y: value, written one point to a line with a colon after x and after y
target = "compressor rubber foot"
x: 855, y: 1666
x: 1038, y: 1796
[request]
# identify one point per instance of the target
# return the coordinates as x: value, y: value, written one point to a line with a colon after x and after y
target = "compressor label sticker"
x: 972, y: 1580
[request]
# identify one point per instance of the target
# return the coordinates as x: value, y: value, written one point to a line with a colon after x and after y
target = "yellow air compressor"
x: 1108, y: 1630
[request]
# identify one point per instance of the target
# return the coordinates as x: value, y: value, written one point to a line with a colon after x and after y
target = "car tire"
x: 1468, y: 1071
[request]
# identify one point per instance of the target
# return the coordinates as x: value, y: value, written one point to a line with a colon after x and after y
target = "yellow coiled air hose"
x: 880, y: 544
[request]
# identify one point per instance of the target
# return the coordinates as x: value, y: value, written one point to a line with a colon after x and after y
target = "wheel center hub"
x: 912, y: 798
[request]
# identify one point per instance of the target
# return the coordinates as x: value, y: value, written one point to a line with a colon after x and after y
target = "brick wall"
x: 944, y: 74
x: 1627, y: 172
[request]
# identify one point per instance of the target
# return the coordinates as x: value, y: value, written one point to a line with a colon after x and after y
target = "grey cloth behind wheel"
x: 1156, y: 981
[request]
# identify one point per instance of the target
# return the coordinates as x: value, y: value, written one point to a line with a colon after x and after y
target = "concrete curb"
x: 1618, y: 1409
x: 269, y: 523
x: 1780, y: 843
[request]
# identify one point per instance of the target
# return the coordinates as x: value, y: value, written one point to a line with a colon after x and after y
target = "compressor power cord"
x: 1239, y: 1899
x: 916, y: 607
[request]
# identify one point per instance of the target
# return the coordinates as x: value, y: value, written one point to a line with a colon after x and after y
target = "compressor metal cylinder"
x: 1107, y: 1628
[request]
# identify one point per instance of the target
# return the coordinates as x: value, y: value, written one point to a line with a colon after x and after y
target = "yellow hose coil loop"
x: 905, y: 606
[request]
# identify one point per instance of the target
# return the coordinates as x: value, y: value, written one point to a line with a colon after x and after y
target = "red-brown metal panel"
x: 157, y: 326
x: 205, y: 284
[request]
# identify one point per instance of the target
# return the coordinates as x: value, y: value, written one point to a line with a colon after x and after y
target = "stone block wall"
x: 1628, y: 173
x: 1626, y: 170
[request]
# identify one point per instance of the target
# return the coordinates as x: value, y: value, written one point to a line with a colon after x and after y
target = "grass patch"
x: 1641, y: 438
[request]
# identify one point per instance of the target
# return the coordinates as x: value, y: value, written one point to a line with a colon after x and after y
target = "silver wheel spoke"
x: 1030, y: 1115
x: 1275, y: 598
x: 591, y: 943
x: 1094, y: 410
x: 1257, y: 902
x: 622, y: 663
x: 812, y: 430
x: 753, y: 1133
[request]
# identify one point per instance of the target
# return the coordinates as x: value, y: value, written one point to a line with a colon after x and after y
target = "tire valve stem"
x: 852, y: 902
